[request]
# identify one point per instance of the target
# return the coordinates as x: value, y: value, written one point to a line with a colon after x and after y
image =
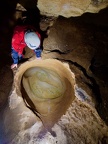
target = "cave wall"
x: 80, y: 123
x: 68, y: 8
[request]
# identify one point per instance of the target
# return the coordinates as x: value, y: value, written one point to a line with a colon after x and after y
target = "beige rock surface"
x: 85, y: 49
x: 69, y: 8
x: 49, y: 85
x: 81, y: 124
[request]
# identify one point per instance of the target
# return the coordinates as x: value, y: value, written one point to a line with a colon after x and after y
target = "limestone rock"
x: 68, y: 8
x: 46, y: 86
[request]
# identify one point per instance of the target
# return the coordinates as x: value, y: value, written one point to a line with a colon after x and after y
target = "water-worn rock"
x: 68, y: 8
x: 47, y: 85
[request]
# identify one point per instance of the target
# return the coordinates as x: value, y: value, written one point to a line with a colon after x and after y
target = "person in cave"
x: 24, y: 35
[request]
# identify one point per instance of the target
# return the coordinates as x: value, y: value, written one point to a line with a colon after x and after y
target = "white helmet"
x: 32, y: 40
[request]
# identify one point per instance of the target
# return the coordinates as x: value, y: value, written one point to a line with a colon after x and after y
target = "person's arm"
x: 18, y: 43
x: 14, y: 55
x: 38, y: 53
x: 17, y: 48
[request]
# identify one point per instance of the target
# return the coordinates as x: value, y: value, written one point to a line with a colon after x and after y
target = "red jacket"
x: 18, y: 43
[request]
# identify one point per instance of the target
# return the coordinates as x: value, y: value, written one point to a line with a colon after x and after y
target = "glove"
x: 38, y: 58
x: 14, y: 66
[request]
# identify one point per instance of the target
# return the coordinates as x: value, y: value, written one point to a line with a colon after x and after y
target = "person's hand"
x: 38, y: 58
x: 14, y: 66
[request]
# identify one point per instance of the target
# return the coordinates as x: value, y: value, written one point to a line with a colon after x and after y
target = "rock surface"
x: 84, y: 52
x: 70, y: 8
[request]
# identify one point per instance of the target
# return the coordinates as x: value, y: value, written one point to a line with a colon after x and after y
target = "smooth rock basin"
x: 43, y: 83
x: 47, y: 87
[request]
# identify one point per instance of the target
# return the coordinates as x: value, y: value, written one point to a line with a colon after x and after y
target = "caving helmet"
x: 32, y: 40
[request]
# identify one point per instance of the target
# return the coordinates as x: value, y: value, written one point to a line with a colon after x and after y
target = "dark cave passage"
x: 7, y: 24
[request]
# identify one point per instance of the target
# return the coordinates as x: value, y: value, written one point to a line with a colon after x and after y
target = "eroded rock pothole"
x: 47, y: 87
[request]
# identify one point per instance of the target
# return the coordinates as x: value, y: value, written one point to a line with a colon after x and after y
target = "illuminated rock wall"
x: 68, y: 8
x: 47, y: 88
